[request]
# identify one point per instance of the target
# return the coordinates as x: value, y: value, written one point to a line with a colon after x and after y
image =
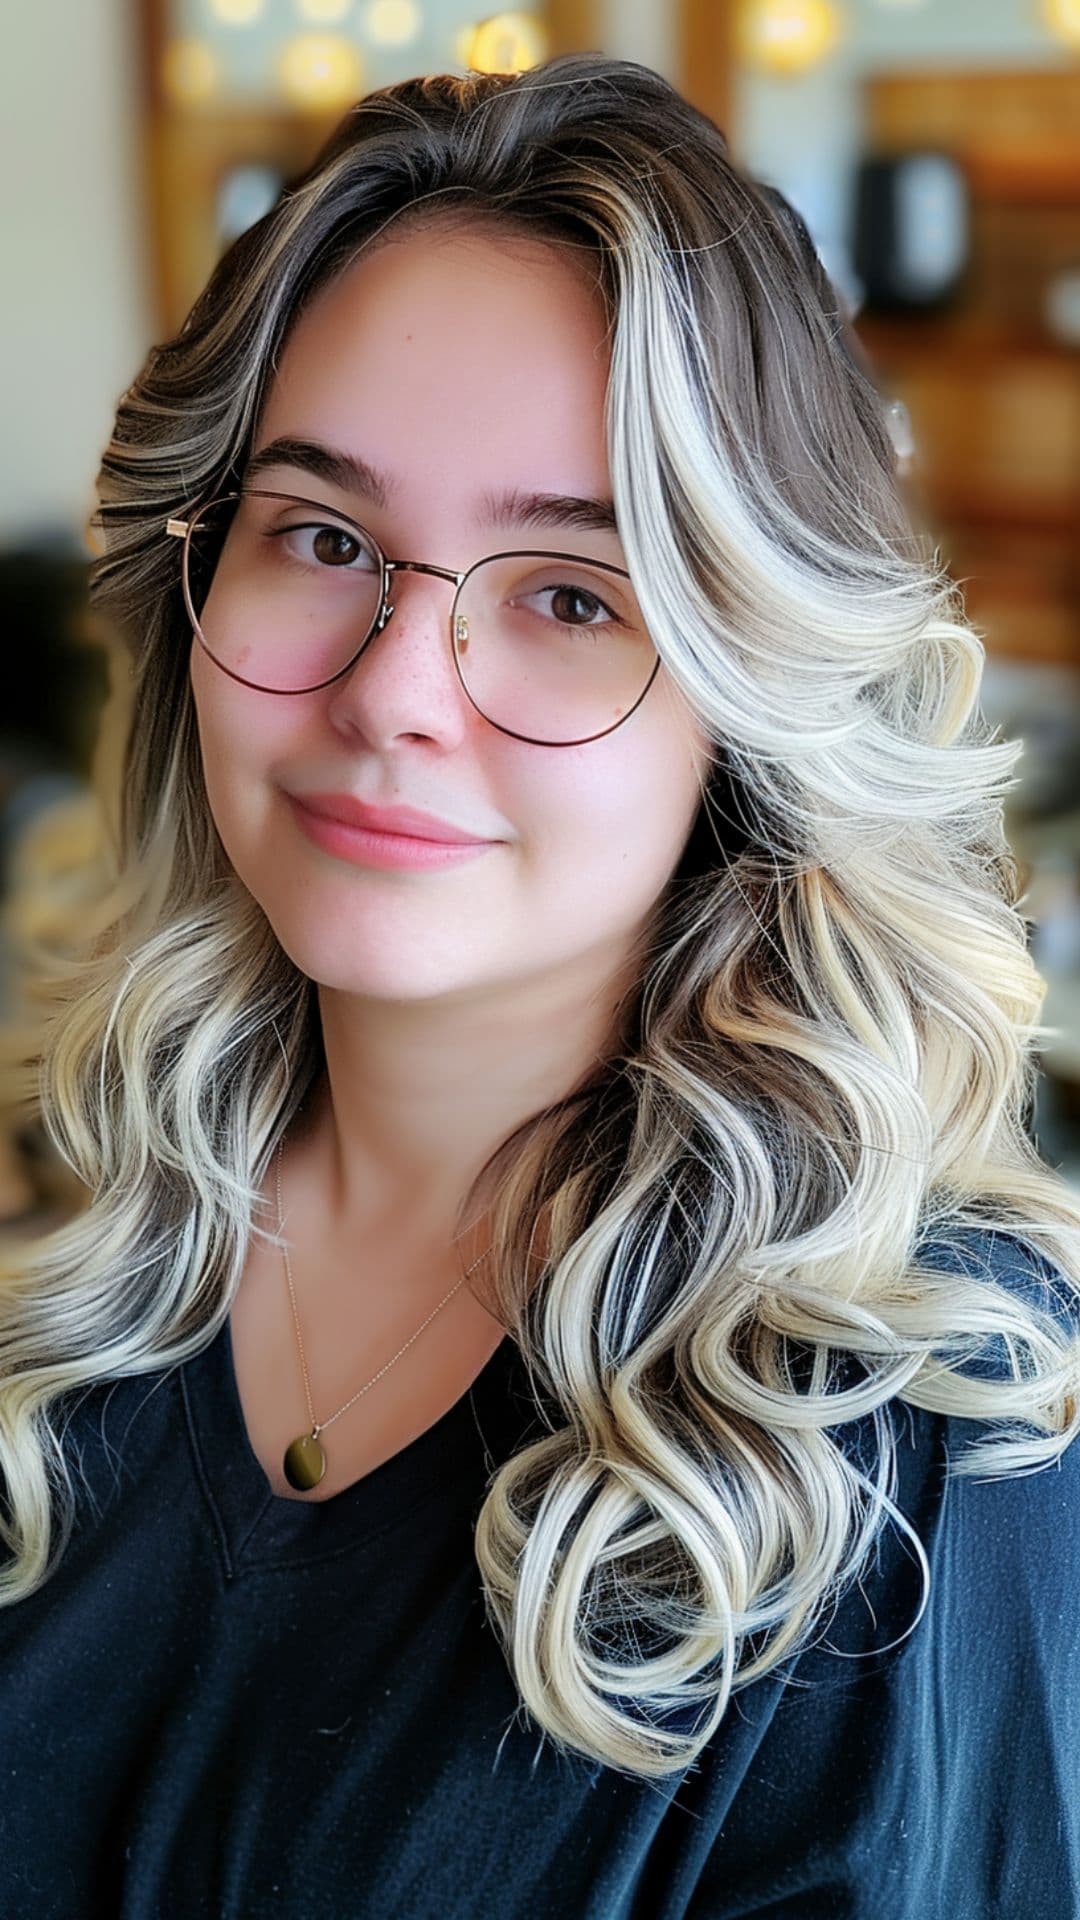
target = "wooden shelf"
x: 966, y: 335
x: 993, y: 396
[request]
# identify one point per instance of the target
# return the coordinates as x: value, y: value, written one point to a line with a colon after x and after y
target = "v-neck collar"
x: 259, y: 1528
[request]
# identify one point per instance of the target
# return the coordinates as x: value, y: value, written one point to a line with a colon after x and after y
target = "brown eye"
x: 332, y: 546
x: 325, y: 547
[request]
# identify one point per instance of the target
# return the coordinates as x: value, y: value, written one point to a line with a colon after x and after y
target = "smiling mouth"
x: 364, y: 846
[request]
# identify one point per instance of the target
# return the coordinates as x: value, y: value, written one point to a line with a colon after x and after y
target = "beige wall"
x: 74, y: 297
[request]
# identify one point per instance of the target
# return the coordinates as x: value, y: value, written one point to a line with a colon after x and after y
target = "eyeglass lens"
x: 285, y: 595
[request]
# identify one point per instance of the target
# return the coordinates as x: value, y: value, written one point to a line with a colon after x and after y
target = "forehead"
x: 453, y: 363
x: 457, y: 321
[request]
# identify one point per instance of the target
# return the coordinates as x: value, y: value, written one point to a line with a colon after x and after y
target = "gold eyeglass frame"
x: 182, y: 528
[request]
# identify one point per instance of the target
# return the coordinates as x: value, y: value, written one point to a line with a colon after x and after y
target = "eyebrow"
x: 512, y: 508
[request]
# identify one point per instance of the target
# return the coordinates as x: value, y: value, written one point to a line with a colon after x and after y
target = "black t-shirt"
x: 229, y: 1704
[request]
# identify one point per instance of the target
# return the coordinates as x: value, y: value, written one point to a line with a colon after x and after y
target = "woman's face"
x: 460, y: 366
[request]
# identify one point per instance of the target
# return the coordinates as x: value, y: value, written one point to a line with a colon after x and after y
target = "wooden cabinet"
x: 994, y: 396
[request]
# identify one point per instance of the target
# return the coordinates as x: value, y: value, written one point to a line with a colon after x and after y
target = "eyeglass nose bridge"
x: 411, y: 566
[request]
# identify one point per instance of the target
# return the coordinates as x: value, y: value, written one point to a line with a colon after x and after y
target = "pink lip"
x: 409, y: 822
x: 367, y: 849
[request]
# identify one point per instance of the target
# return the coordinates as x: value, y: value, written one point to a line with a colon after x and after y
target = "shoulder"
x: 986, y: 1691
x: 993, y: 1498
x: 1019, y: 1276
x: 921, y: 1756
x: 1005, y: 1542
x: 979, y: 1252
x: 996, y: 1350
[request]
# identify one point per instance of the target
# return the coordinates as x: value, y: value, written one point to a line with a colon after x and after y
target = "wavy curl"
x: 713, y: 1254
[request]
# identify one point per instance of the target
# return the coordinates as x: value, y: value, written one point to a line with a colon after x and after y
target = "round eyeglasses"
x: 284, y: 593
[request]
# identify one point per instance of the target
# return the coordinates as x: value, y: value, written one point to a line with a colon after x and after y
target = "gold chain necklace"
x: 305, y: 1457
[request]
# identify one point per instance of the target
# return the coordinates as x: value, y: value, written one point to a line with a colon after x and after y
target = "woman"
x: 583, y: 1507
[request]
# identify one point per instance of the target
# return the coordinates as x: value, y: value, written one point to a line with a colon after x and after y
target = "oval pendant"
x: 305, y: 1462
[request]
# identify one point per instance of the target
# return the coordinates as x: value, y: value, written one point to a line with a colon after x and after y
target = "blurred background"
x: 931, y: 146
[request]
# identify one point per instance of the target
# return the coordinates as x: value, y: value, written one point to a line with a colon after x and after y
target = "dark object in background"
x: 55, y: 679
x: 911, y: 243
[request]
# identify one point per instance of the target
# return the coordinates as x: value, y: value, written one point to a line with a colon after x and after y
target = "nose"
x: 420, y: 654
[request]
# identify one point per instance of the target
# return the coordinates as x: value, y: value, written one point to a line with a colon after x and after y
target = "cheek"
x: 241, y: 733
x: 614, y: 822
x: 238, y: 747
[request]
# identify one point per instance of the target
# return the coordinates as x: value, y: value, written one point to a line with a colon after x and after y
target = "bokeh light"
x: 787, y: 36
x: 1063, y: 19
x: 504, y: 43
x: 320, y: 70
x: 392, y: 23
x: 190, y: 73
